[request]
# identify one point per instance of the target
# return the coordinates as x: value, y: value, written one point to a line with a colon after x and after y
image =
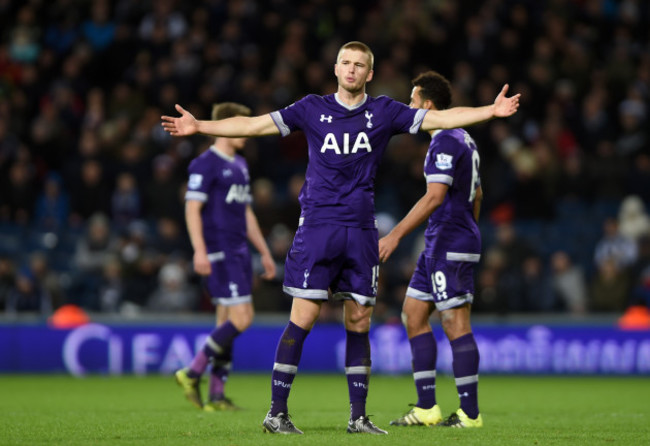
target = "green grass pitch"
x: 517, y: 410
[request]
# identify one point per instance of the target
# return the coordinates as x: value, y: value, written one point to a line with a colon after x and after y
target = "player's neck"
x: 351, y: 97
x: 222, y: 145
x: 431, y: 132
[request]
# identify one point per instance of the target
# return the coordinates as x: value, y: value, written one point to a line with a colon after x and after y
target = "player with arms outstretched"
x: 220, y: 223
x: 336, y: 245
x: 443, y: 277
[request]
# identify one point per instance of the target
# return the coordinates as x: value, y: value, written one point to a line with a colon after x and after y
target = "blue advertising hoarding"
x: 160, y: 349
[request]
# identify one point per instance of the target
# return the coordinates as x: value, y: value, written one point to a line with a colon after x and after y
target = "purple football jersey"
x: 345, y: 147
x: 452, y: 232
x: 223, y: 184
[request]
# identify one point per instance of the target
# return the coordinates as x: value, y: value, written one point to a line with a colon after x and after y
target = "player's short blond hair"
x: 359, y: 46
x: 228, y: 110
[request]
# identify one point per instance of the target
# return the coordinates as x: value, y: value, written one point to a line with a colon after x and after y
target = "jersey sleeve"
x: 291, y: 118
x: 199, y: 180
x: 404, y: 118
x: 442, y: 159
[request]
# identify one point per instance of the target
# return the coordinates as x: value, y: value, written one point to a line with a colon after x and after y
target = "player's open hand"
x: 503, y: 106
x: 184, y: 125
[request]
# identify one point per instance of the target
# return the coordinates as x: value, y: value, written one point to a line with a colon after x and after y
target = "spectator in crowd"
x: 638, y: 179
x: 514, y: 247
x: 170, y: 242
x: 569, y: 283
x: 111, y: 286
x: 491, y: 293
x: 633, y: 221
x: 92, y: 195
x: 163, y: 194
x: 139, y: 282
x: 24, y: 37
x: 46, y: 279
x: 575, y: 181
x: 132, y: 158
x: 99, y: 29
x: 535, y: 287
x: 93, y: 250
x: 27, y: 296
x: 173, y: 293
x: 610, y: 288
x: 632, y: 116
x: 62, y: 33
x: 609, y: 169
x: 126, y: 204
x: 52, y: 205
x: 19, y: 194
x: 95, y: 247
x: 173, y: 23
x: 614, y: 247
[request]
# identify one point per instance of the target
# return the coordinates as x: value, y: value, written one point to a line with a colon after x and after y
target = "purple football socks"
x: 465, y: 365
x: 424, y: 351
x: 287, y: 357
x: 357, y: 370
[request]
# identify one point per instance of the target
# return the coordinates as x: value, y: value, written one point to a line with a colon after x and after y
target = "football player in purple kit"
x: 336, y: 245
x: 220, y: 221
x: 443, y: 277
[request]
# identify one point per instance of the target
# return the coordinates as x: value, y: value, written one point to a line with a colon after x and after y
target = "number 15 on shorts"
x: 375, y: 279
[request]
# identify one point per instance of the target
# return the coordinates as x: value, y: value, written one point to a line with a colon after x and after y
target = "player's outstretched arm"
x: 239, y: 126
x: 463, y: 116
x: 419, y: 212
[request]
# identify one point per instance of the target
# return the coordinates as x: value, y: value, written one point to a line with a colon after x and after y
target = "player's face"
x: 238, y: 143
x: 353, y: 70
x: 416, y: 98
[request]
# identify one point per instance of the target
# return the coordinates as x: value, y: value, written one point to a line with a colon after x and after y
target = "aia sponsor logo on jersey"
x: 343, y: 147
x: 239, y: 193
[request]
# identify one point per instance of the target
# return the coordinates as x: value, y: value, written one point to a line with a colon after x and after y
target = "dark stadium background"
x: 83, y: 86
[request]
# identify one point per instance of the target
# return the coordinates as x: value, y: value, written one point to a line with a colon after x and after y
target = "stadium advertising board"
x: 130, y: 349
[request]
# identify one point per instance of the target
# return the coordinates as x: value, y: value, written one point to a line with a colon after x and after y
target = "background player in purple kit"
x: 443, y: 277
x: 220, y: 221
x: 335, y: 247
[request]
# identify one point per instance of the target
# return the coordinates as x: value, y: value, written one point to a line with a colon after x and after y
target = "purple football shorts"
x: 340, y: 258
x: 232, y: 276
x: 447, y: 283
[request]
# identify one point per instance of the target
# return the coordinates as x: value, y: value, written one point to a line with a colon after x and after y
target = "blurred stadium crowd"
x: 91, y: 187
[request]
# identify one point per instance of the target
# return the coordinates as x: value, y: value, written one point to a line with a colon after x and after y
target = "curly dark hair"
x: 435, y: 87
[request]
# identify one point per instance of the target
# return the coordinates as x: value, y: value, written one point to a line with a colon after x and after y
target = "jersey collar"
x: 221, y: 154
x: 350, y: 107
